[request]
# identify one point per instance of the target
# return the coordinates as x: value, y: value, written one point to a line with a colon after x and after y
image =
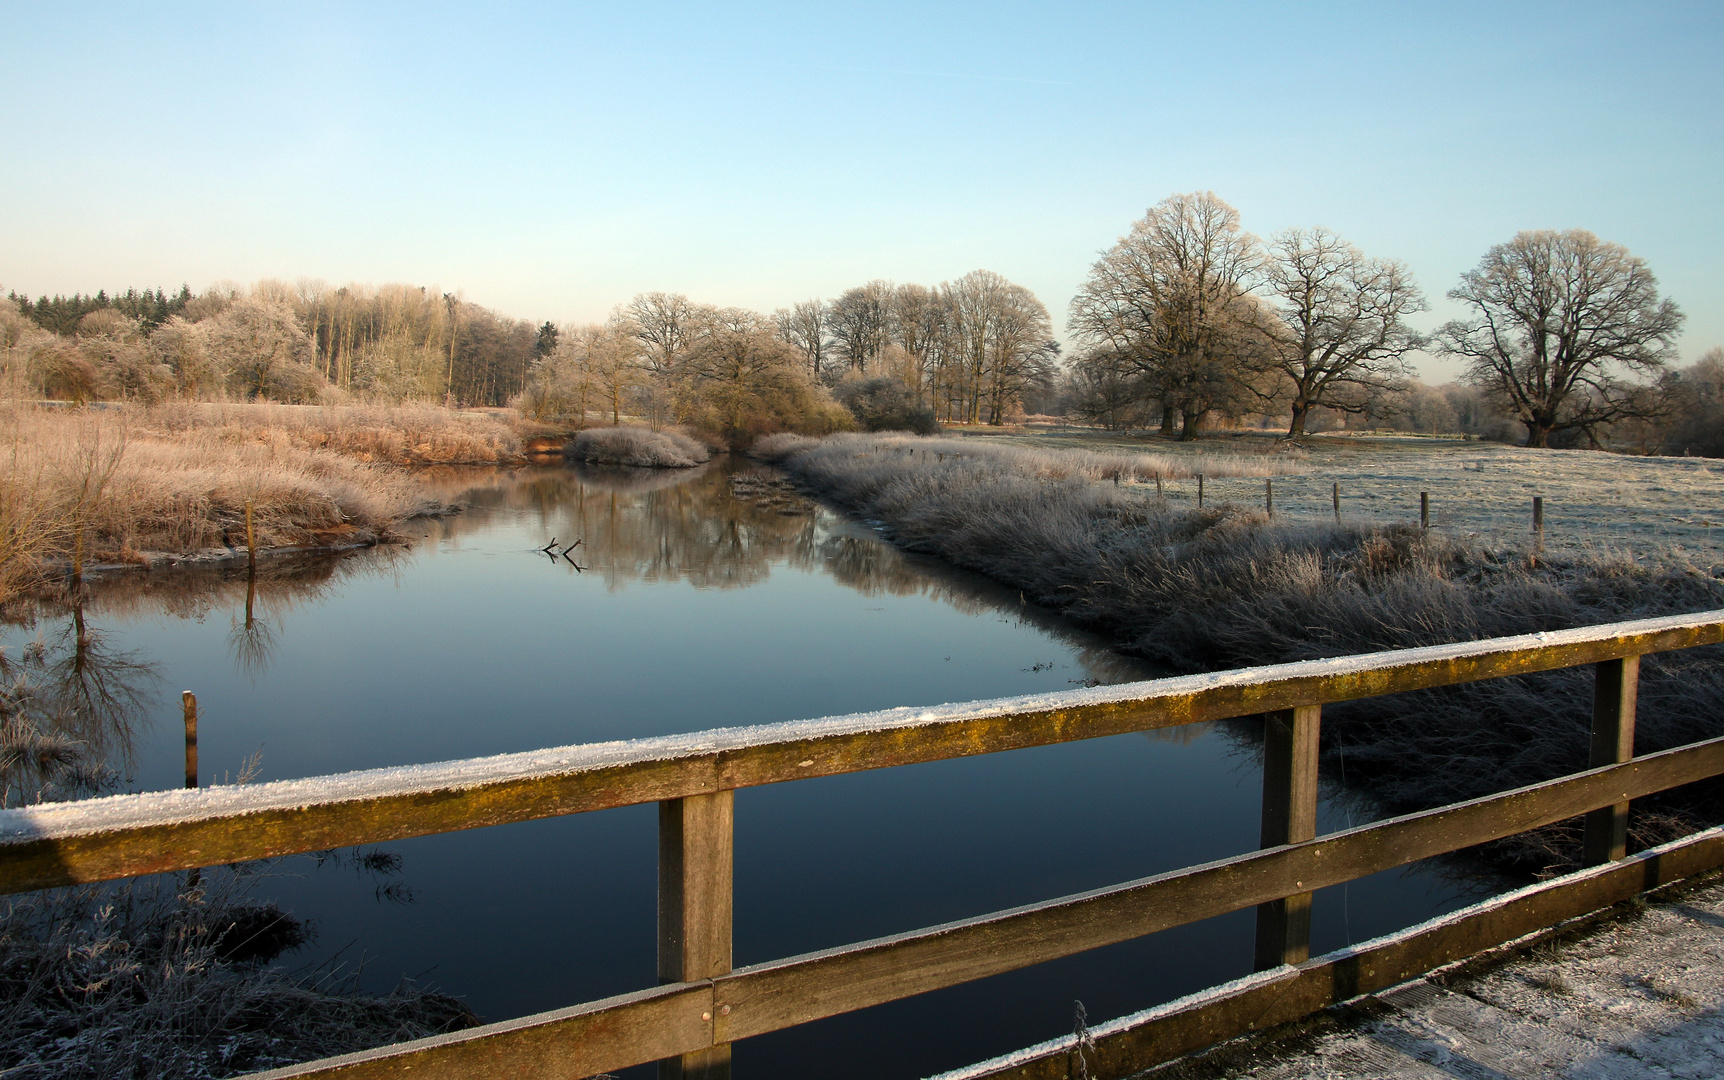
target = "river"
x: 696, y: 599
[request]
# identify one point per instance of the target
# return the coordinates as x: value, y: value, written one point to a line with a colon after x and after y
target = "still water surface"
x: 704, y: 599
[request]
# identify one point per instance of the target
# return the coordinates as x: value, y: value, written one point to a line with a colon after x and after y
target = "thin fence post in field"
x: 1613, y: 697
x: 1200, y: 490
x: 1424, y: 509
x: 1289, y: 816
x: 189, y: 703
x: 1158, y: 484
x: 696, y: 837
x: 1335, y: 493
x: 1269, y: 497
x: 1538, y: 521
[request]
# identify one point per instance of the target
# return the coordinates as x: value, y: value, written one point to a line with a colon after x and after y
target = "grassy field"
x: 1480, y: 492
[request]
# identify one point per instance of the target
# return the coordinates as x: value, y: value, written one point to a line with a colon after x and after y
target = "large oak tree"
x: 1556, y: 317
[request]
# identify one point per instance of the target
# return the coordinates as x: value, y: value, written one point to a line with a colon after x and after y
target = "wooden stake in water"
x: 1335, y: 493
x: 1424, y: 509
x: 250, y: 539
x: 190, y: 703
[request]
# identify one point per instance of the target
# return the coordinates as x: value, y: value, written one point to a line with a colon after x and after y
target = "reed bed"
x: 113, y: 487
x: 1224, y: 587
x: 408, y: 434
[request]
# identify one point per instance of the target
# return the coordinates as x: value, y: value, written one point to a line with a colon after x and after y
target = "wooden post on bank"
x: 1424, y: 509
x: 250, y: 539
x: 1200, y: 491
x: 189, y: 703
x: 1269, y: 497
x: 1538, y: 521
x: 1335, y: 493
x: 695, y: 866
x: 1613, y: 695
x: 1289, y: 816
x: 1158, y: 485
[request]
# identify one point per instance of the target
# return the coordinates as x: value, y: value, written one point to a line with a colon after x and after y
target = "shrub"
x: 883, y: 403
x: 638, y: 446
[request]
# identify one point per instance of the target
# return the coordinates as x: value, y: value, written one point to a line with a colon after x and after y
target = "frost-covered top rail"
x: 126, y: 835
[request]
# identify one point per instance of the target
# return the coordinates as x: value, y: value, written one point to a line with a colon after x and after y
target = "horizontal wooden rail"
x: 768, y: 997
x: 127, y: 835
x: 1131, y: 1044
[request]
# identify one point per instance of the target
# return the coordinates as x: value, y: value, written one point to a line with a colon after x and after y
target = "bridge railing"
x: 704, y: 1004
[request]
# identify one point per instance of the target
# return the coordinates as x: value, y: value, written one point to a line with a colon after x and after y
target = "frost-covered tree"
x: 1556, y: 319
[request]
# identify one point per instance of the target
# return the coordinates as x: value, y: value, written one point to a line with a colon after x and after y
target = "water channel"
x: 697, y: 599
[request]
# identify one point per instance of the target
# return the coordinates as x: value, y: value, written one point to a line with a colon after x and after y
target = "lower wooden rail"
x: 1131, y: 1044
x: 768, y: 997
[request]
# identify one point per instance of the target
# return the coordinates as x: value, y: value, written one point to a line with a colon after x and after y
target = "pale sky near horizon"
x: 552, y: 160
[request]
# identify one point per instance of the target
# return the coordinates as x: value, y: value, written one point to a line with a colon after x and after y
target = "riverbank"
x: 81, y: 490
x: 1226, y: 586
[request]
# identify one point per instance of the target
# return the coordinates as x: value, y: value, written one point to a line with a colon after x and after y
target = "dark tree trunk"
x: 1192, y: 423
x: 1301, y: 410
x: 1167, y: 420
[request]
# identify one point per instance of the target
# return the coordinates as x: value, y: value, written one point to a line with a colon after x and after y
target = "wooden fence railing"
x: 703, y: 1004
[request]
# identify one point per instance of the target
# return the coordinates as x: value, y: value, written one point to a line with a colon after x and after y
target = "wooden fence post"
x: 695, y: 865
x: 1424, y: 509
x: 1613, y: 694
x: 189, y: 704
x: 1538, y: 521
x: 1289, y: 816
x: 1200, y: 490
x: 1335, y: 493
x: 1269, y: 498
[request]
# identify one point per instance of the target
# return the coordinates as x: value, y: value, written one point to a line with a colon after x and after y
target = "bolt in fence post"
x: 1538, y: 520
x: 1289, y: 816
x: 1335, y: 493
x: 696, y: 837
x: 189, y: 703
x: 1200, y: 490
x: 1613, y: 695
x: 1424, y: 509
x: 1269, y: 497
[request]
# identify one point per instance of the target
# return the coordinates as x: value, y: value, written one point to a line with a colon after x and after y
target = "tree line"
x: 1189, y: 316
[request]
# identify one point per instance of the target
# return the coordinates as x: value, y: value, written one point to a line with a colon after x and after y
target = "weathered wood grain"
x: 696, y: 843
x: 1126, y: 1046
x: 1613, y: 699
x: 1289, y: 816
x: 55, y: 845
x: 567, y: 1044
x: 783, y: 993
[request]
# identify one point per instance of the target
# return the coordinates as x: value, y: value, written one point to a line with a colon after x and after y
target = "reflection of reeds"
x: 148, y: 980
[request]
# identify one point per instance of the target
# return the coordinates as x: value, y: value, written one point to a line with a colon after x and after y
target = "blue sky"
x: 553, y: 160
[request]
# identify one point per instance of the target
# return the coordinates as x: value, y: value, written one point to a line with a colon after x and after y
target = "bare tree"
x: 858, y: 322
x: 1170, y: 299
x: 1556, y: 315
x: 803, y: 325
x: 1340, y: 340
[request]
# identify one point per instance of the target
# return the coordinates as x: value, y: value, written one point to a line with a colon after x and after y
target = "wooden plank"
x: 127, y: 835
x: 695, y: 869
x: 1120, y: 1048
x: 1614, y: 692
x: 1289, y: 817
x: 784, y: 993
x: 565, y: 1044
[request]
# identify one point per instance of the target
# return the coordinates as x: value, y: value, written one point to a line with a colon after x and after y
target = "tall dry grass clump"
x: 406, y: 434
x: 1224, y: 587
x: 638, y: 446
x: 106, y: 486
